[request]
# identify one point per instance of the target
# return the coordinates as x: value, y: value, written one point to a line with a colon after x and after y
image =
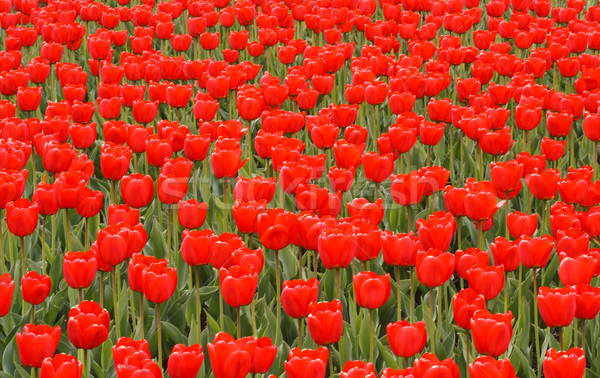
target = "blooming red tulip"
x: 543, y: 185
x: 434, y: 267
x: 79, y: 269
x: 491, y: 333
x: 61, y: 365
x: 405, y: 339
x: 520, y: 224
x: 535, y: 252
x: 557, y: 306
x: 229, y: 358
x: 486, y: 280
x: 238, y: 284
x: 430, y: 365
x: 435, y: 233
x: 191, y: 213
x: 464, y: 305
x: 587, y: 299
x: 505, y: 253
x: 7, y: 289
x: 467, y: 259
x: 336, y: 248
x: 88, y: 325
x: 36, y: 343
x: 372, y: 290
x: 567, y: 364
x: 485, y: 367
x: 35, y: 287
x: 297, y: 295
x: 274, y: 229
x: 159, y: 282
x: 325, y: 322
x: 185, y: 362
x: 303, y: 363
x: 21, y: 217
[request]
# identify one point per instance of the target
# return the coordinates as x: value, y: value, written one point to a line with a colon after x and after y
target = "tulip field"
x: 299, y: 188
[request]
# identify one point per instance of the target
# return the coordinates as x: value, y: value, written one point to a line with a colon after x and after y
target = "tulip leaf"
x: 157, y: 242
x: 172, y: 334
x: 550, y: 271
x: 364, y: 338
x: 388, y: 357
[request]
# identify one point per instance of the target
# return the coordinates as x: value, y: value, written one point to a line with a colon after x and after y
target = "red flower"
x: 436, y: 232
x: 21, y: 217
x: 486, y: 280
x: 535, y: 252
x: 238, y: 284
x: 336, y: 248
x: 191, y: 213
x: 543, y: 185
x: 325, y: 322
x: 36, y: 343
x: 185, y: 362
x: 297, y: 295
x: 485, y: 367
x: 491, y: 333
x: 567, y: 364
x: 465, y: 260
x: 137, y: 190
x: 28, y: 98
x: 505, y: 253
x: 254, y: 189
x: 377, y: 167
x: 91, y: 202
x: 520, y: 224
x: 576, y: 270
x: 557, y: 306
x: 88, y: 325
x: 481, y: 202
x: 302, y: 363
x: 159, y: 281
x: 361, y: 208
x: 372, y: 291
x: 7, y: 290
x: 226, y: 163
x: 405, y: 339
x: 434, y: 267
x: 264, y: 355
x: 68, y: 189
x: 61, y: 365
x: 230, y: 358
x: 464, y: 305
x: 135, y: 270
x: 35, y: 287
x: 429, y: 365
x: 44, y: 198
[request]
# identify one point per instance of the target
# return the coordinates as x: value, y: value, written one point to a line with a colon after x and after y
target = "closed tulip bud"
x: 159, y: 282
x: 464, y: 305
x: 372, y: 290
x: 238, y: 285
x: 491, y: 333
x: 557, y: 306
x: 79, y: 269
x: 297, y: 295
x: 21, y: 217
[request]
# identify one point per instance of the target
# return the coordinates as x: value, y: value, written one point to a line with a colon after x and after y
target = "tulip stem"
x: 80, y: 294
x: 468, y: 345
x: 315, y: 265
x: 159, y: 330
x: 86, y: 372
x: 575, y: 331
x: 480, y: 235
x: 535, y: 326
x: 42, y: 243
x: 583, y: 335
x: 331, y: 371
x: 431, y: 327
x: 32, y: 314
x: 225, y: 205
x: 141, y: 302
x: 115, y: 300
x: 102, y: 288
x: 22, y: 256
x: 506, y: 292
x: 459, y: 232
x: 253, y: 310
x: 2, y: 258
x: 408, y: 220
x: 371, y: 342
x: 239, y: 323
x: 398, y: 292
x: 198, y: 303
x: 338, y: 284
x: 86, y: 234
x: 595, y: 159
x: 221, y: 320
x: 412, y: 294
x: 300, y: 333
x: 67, y: 230
x: 300, y: 262
x: 34, y: 372
x: 278, y: 282
x: 561, y: 338
x: 439, y: 309
x: 169, y: 245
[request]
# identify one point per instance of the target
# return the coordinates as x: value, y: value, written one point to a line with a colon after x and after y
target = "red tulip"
x: 485, y: 367
x: 429, y: 365
x: 35, y: 287
x: 79, y: 269
x: 557, y: 306
x: 325, y: 322
x: 191, y: 213
x: 28, y: 99
x: 491, y: 333
x: 576, y: 270
x: 229, y: 358
x: 372, y: 291
x: 535, y: 252
x: 464, y: 305
x: 505, y: 253
x: 21, y: 217
x: 68, y: 189
x: 377, y: 167
x: 336, y: 248
x: 61, y: 365
x: 358, y: 369
x: 434, y: 267
x: 543, y: 185
x: 159, y: 282
x: 297, y: 295
x: 88, y: 325
x: 407, y: 189
x: 303, y: 363
x: 185, y: 362
x: 7, y: 289
x: 137, y: 190
x: 36, y: 343
x: 567, y: 364
x: 238, y: 284
x: 91, y: 203
x: 486, y: 280
x: 264, y: 355
x: 587, y: 299
x: 405, y: 339
x: 520, y: 224
x: 467, y: 259
x: 435, y: 233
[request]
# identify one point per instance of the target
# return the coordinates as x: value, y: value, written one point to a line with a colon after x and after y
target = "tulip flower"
x: 7, y: 289
x: 491, y: 333
x: 185, y: 362
x: 430, y: 364
x: 229, y: 358
x: 238, y: 286
x: 487, y: 366
x: 564, y: 364
x: 325, y: 322
x: 557, y: 306
x: 301, y: 362
x: 406, y: 339
x: 36, y: 343
x: 296, y: 297
x: 61, y: 365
